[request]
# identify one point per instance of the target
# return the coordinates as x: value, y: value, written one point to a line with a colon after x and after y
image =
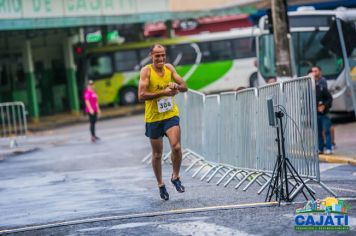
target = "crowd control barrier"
x: 13, y: 123
x: 228, y: 135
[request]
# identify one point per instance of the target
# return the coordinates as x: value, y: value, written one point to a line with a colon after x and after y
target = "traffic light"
x: 79, y: 49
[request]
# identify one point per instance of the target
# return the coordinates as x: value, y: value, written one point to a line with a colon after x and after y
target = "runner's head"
x: 158, y: 55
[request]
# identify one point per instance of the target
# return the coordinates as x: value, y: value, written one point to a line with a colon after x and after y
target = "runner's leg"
x: 173, y: 135
x: 157, y: 149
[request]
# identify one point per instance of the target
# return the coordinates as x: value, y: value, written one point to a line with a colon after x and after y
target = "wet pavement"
x: 68, y: 179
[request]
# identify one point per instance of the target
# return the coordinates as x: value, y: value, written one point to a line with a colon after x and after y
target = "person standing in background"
x: 321, y: 81
x: 92, y: 108
x: 324, y: 102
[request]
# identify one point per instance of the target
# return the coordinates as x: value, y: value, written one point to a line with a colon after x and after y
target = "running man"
x: 159, y: 83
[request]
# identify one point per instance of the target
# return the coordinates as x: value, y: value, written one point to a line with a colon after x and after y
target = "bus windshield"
x: 308, y: 51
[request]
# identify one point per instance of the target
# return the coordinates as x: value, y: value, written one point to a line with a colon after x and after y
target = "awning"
x: 73, y: 22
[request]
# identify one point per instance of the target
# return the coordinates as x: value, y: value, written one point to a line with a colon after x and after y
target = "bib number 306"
x: 164, y: 104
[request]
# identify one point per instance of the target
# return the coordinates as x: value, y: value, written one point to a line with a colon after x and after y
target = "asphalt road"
x: 105, y: 189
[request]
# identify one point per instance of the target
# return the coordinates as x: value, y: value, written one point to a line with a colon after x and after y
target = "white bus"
x: 323, y: 38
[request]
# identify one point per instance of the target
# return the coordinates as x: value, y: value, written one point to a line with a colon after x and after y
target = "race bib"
x: 164, y: 104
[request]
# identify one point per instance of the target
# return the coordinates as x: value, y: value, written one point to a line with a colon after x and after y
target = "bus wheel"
x: 253, y: 80
x: 128, y: 96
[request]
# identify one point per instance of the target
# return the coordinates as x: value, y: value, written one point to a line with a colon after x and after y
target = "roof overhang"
x: 80, y: 21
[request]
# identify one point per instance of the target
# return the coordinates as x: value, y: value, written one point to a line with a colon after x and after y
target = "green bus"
x: 208, y: 62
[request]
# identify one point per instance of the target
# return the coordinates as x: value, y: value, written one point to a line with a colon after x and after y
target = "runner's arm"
x: 143, y: 93
x: 182, y: 87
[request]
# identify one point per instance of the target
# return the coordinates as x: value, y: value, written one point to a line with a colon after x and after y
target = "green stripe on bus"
x: 208, y: 73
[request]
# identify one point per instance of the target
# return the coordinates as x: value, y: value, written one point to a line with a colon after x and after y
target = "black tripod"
x: 279, y: 185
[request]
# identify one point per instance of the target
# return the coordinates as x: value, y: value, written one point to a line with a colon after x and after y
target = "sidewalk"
x: 345, y: 150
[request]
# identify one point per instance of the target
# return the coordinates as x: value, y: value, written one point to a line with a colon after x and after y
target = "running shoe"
x: 178, y: 185
x: 163, y: 193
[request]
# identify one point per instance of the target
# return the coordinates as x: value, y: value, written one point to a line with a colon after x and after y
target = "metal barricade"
x: 13, y: 123
x: 194, y: 124
x: 228, y: 128
x: 266, y: 144
x: 245, y: 121
x: 301, y: 126
x: 211, y: 133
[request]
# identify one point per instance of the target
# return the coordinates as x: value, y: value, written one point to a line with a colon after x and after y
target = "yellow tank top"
x: 158, y: 83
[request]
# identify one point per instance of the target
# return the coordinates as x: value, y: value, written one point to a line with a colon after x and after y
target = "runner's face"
x: 158, y: 56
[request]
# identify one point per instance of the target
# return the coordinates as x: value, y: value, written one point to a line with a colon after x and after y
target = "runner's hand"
x: 170, y: 92
x: 173, y: 85
x: 91, y: 111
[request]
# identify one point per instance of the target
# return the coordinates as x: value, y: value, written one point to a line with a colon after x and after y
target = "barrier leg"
x: 185, y: 155
x: 191, y: 165
x: 327, y: 188
x: 233, y: 176
x: 212, y: 176
x: 264, y: 186
x: 199, y: 169
x: 13, y: 143
x: 244, y: 179
x: 165, y: 158
x: 206, y: 174
x: 252, y: 181
x: 147, y: 157
x: 224, y: 176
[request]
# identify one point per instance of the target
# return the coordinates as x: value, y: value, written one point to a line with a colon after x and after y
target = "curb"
x: 337, y: 159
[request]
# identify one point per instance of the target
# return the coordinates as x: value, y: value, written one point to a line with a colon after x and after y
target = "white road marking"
x: 200, y: 228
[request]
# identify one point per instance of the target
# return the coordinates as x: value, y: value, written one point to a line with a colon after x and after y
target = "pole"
x: 281, y: 41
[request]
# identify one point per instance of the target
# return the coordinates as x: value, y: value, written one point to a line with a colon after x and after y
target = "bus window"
x: 244, y: 47
x: 309, y: 51
x: 205, y: 51
x: 126, y: 60
x: 100, y: 65
x: 144, y: 57
x: 221, y: 50
x: 182, y: 54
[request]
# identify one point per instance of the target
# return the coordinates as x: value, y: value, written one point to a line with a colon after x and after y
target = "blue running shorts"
x: 156, y: 130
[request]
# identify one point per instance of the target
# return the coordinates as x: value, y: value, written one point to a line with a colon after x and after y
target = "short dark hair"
x: 156, y: 45
x: 316, y: 67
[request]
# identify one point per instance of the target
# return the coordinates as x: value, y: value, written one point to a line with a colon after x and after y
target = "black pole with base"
x: 279, y: 185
